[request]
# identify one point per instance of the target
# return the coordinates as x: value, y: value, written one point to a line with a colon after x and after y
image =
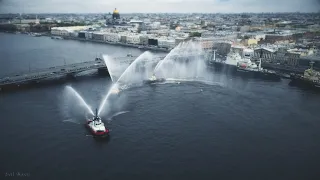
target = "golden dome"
x: 116, y: 11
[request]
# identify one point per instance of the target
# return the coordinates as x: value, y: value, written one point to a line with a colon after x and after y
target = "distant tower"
x: 115, y: 14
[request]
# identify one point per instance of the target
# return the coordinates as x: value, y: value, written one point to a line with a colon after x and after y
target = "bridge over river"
x: 71, y: 70
x: 20, y: 79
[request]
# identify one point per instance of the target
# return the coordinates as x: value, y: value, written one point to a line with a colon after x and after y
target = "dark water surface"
x: 242, y: 129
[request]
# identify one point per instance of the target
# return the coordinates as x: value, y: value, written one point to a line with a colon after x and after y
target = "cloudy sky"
x: 150, y: 6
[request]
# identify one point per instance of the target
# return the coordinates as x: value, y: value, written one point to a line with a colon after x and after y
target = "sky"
x: 157, y: 6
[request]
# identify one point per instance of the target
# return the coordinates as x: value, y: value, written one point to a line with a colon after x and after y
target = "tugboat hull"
x: 259, y: 75
x: 102, y: 134
x: 234, y: 70
x: 223, y: 67
x: 97, y: 127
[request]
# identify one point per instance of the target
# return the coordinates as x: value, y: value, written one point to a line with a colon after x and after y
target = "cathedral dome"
x: 115, y: 11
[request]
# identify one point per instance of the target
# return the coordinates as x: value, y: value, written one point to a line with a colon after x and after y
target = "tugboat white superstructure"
x: 96, y: 126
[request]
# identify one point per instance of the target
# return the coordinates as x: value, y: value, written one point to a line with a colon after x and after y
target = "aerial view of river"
x: 233, y: 129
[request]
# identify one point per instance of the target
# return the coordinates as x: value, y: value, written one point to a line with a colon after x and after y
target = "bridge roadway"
x: 57, y: 71
x: 70, y: 69
x: 51, y: 72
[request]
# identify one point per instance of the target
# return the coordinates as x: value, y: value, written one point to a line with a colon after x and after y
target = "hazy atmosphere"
x: 160, y: 89
x: 154, y: 6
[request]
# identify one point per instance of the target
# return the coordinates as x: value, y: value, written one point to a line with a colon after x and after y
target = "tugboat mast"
x: 96, y: 115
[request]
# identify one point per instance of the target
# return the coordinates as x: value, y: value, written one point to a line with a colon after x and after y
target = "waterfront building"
x: 64, y: 31
x: 82, y: 34
x: 165, y: 42
x: 133, y: 38
x: 100, y: 36
x: 123, y: 38
x: 152, y: 41
x: 206, y: 43
x: 88, y: 35
x: 144, y: 39
x: 112, y: 37
x: 279, y: 57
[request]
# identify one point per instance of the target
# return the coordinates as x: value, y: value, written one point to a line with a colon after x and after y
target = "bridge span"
x: 20, y: 79
x: 11, y: 81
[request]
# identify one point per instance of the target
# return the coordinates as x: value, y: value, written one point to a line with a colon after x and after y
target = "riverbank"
x: 118, y: 44
x: 95, y: 41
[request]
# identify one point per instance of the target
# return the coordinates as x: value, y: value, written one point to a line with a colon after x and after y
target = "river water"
x: 235, y: 129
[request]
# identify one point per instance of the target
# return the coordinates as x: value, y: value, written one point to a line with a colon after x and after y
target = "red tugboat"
x: 96, y: 126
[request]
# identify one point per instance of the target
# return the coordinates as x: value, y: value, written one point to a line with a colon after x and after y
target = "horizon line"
x: 164, y: 12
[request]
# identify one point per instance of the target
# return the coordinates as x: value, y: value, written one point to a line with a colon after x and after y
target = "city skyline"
x: 158, y: 6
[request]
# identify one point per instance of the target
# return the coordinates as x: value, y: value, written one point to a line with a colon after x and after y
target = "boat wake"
x: 117, y: 114
x: 178, y: 81
x: 71, y: 121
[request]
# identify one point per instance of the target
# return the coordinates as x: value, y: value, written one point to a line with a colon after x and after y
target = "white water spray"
x: 115, y: 68
x: 79, y: 98
x: 132, y: 75
x: 186, y: 61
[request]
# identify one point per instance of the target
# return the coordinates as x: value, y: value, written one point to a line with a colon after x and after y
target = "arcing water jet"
x: 82, y: 102
x: 132, y: 75
x: 186, y: 61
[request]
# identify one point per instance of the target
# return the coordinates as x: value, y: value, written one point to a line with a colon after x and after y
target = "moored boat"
x: 310, y: 78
